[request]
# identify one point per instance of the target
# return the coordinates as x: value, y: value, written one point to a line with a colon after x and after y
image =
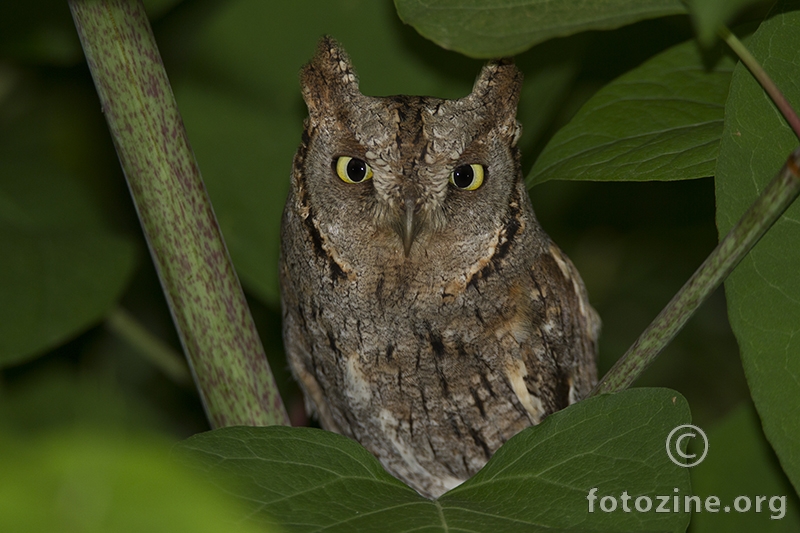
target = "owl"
x: 426, y: 314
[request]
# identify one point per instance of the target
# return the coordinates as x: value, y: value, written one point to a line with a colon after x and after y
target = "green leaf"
x: 61, y: 269
x: 312, y: 480
x: 94, y: 482
x: 740, y: 462
x: 246, y: 130
x: 496, y: 28
x: 764, y: 291
x: 709, y: 15
x: 660, y: 121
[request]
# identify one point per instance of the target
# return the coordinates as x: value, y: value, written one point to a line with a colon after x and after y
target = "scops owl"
x: 426, y: 313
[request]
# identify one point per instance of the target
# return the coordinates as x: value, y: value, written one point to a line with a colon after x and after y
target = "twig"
x: 171, y: 363
x: 774, y: 200
x: 763, y: 78
x: 770, y: 205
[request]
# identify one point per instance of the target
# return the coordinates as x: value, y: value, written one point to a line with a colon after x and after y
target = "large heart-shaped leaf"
x: 764, y: 291
x: 660, y: 121
x: 313, y: 480
x: 496, y: 28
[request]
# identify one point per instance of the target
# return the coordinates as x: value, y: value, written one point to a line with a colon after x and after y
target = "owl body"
x: 427, y: 319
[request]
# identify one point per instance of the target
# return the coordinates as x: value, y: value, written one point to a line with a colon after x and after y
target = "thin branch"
x: 774, y: 200
x: 770, y: 205
x: 763, y: 78
x: 168, y: 361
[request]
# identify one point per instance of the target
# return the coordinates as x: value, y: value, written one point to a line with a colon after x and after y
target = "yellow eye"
x: 352, y: 170
x: 467, y: 177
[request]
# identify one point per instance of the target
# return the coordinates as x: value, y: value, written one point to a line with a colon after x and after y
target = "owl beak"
x: 409, y: 227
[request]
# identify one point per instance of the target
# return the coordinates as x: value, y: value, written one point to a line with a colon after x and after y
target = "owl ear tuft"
x: 328, y: 81
x: 497, y: 89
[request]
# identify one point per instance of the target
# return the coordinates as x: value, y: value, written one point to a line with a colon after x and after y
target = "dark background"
x: 233, y: 66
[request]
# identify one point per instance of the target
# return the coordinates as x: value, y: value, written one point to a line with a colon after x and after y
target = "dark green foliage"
x: 639, y: 103
x: 313, y: 480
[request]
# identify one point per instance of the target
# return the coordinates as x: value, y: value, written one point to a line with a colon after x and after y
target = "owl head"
x: 412, y: 175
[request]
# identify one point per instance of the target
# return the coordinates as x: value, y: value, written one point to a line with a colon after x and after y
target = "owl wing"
x: 296, y: 341
x: 557, y: 367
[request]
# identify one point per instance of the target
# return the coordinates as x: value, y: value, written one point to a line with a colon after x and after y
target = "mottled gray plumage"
x: 428, y: 322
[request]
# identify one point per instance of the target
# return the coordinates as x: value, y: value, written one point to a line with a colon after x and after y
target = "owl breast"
x: 428, y: 318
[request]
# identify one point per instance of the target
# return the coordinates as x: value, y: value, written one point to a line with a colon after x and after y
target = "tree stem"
x: 201, y: 287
